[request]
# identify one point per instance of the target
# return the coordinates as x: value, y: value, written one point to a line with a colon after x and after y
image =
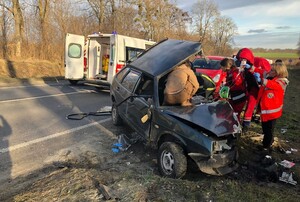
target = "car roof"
x: 212, y: 57
x: 165, y: 55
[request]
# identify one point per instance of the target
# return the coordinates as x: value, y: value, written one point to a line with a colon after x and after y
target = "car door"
x: 139, y: 107
x: 123, y: 87
x: 131, y: 94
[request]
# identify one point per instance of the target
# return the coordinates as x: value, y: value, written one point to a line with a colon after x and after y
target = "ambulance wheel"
x: 172, y: 161
x: 73, y: 82
x: 117, y: 120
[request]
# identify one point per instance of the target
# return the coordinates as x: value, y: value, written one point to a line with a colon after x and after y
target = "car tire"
x: 117, y: 120
x: 172, y: 161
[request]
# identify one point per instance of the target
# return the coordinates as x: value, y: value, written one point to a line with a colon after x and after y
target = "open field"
x: 281, y: 55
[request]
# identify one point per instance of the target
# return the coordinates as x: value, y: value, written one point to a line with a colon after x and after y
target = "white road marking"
x: 26, y: 144
x: 45, y: 96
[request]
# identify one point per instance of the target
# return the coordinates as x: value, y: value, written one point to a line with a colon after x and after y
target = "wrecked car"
x: 205, y: 132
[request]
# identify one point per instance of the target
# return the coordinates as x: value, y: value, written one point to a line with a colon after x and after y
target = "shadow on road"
x: 5, y: 132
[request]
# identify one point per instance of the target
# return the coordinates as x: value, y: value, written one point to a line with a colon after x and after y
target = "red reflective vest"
x: 272, y: 96
x: 235, y: 81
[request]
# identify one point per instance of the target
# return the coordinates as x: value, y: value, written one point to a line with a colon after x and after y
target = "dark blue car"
x: 205, y: 132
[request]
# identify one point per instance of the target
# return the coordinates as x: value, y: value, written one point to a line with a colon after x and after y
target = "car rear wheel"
x: 115, y: 115
x: 171, y: 160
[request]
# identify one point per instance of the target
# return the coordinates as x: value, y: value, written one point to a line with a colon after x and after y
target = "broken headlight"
x: 221, y: 145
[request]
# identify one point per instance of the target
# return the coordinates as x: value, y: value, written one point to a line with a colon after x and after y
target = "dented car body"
x: 205, y: 132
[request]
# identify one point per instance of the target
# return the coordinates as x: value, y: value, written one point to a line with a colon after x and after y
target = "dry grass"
x: 30, y: 68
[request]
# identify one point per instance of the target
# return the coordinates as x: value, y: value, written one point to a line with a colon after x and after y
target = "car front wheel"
x: 171, y: 160
x: 115, y: 115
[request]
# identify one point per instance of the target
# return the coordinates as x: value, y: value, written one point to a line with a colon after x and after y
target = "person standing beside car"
x: 245, y: 59
x: 261, y: 68
x: 236, y: 83
x: 271, y: 101
x: 181, y: 85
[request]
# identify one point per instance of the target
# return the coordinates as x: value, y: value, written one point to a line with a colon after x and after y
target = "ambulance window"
x: 74, y: 50
x: 132, y: 53
x: 130, y: 80
x: 112, y: 53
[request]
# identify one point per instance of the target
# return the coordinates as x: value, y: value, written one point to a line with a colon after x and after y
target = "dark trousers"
x: 268, y: 131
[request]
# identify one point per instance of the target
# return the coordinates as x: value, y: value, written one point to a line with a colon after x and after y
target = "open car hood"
x: 216, y: 117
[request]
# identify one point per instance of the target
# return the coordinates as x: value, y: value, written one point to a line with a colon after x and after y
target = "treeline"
x: 37, y: 28
x: 277, y: 50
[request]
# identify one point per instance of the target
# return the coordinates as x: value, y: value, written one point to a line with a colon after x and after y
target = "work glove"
x: 257, y: 77
x: 247, y: 66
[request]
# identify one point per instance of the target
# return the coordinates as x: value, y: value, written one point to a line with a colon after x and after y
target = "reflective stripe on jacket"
x: 272, y: 99
x: 236, y: 83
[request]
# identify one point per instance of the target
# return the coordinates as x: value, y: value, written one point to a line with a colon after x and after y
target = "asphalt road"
x: 33, y: 124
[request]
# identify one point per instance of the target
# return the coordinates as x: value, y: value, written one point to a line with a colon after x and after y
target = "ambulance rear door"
x: 74, y: 57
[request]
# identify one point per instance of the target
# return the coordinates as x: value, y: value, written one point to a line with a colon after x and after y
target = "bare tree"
x: 3, y: 32
x: 222, y: 32
x: 159, y: 19
x: 98, y: 8
x: 15, y: 9
x: 204, y: 12
x: 43, y: 7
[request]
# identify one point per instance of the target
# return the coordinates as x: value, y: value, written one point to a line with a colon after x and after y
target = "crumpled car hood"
x: 216, y: 117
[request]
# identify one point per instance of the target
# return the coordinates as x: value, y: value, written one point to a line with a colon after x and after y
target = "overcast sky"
x: 261, y: 23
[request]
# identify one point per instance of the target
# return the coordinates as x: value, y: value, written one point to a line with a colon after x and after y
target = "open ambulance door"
x: 74, y: 58
x: 94, y: 59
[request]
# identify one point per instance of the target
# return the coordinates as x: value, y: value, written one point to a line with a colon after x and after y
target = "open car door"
x: 74, y: 57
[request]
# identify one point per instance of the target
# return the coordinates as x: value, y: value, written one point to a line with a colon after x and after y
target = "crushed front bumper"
x: 217, y: 164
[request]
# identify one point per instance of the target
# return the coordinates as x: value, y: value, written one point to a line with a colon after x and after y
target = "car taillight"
x: 119, y: 67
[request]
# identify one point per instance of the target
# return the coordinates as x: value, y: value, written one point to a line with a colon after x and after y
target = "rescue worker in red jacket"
x: 271, y: 101
x: 263, y: 67
x: 253, y: 88
x: 236, y: 83
x: 246, y: 58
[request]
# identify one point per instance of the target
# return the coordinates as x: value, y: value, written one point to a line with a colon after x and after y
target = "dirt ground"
x: 87, y: 172
x: 93, y: 173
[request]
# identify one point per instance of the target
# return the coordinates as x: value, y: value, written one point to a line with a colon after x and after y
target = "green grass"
x: 274, y: 55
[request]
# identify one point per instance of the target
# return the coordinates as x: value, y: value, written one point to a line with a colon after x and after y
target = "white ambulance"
x: 99, y: 57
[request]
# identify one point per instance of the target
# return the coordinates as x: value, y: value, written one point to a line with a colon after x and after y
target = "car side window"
x: 145, y: 86
x: 122, y: 73
x: 130, y: 80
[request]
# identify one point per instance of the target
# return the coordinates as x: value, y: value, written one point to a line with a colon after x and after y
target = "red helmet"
x: 247, y: 54
x: 262, y: 63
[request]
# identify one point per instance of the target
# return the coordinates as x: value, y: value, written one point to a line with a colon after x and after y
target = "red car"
x: 210, y: 65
